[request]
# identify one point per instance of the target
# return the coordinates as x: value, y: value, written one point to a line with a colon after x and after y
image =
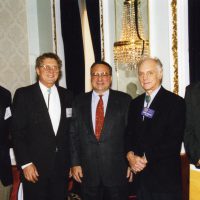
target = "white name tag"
x: 68, y: 112
x: 7, y: 113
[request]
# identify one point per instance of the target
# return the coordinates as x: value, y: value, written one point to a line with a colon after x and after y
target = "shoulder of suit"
x: 139, y: 98
x: 5, y: 95
x: 120, y: 94
x: 171, y: 98
x: 82, y: 99
x: 4, y: 91
x: 171, y: 94
x: 27, y: 89
x: 83, y: 96
x: 193, y: 86
x: 64, y: 90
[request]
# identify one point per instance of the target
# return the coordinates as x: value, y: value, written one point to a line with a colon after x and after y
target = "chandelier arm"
x: 136, y: 18
x: 143, y: 43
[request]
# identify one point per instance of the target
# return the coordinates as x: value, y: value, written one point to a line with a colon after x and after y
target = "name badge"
x: 147, y: 112
x: 68, y: 112
x: 7, y: 113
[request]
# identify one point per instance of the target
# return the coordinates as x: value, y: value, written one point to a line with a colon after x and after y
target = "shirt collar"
x: 106, y: 93
x: 44, y: 88
x: 153, y: 94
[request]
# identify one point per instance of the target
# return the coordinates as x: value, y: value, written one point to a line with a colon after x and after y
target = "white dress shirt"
x: 54, y: 105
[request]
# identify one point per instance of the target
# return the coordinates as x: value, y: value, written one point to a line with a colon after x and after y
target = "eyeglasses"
x: 102, y: 75
x: 49, y: 68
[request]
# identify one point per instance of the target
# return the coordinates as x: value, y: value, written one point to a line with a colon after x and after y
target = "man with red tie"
x: 97, y: 138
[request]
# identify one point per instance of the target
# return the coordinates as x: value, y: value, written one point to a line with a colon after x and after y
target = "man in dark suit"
x: 41, y: 119
x: 5, y: 163
x: 192, y: 130
x: 98, y: 158
x: 155, y: 132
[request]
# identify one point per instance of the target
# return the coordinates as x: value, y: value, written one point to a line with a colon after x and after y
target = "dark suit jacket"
x: 159, y: 138
x: 5, y: 164
x: 192, y: 130
x: 104, y: 160
x: 33, y: 135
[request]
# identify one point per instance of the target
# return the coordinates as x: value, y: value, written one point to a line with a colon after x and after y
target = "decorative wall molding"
x: 102, y: 30
x: 175, y: 46
x: 54, y: 25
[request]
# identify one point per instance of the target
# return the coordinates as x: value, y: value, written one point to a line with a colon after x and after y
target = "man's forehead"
x: 148, y: 66
x: 49, y: 60
x: 100, y: 67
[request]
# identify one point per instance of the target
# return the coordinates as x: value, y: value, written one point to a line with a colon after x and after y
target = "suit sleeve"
x: 191, y: 141
x: 128, y: 135
x: 5, y: 118
x: 174, y: 129
x: 130, y: 140
x: 8, y: 121
x: 19, y: 128
x: 74, y: 137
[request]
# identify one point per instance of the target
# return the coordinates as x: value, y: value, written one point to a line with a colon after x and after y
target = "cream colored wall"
x: 14, y: 63
x: 40, y: 37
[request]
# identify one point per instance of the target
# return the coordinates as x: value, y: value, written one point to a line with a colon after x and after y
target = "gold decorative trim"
x: 54, y: 26
x: 175, y: 45
x: 102, y: 30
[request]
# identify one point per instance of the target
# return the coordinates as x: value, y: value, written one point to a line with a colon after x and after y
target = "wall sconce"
x: 132, y: 45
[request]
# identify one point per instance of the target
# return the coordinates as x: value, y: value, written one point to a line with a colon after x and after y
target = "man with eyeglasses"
x: 155, y: 132
x: 97, y: 138
x: 41, y: 118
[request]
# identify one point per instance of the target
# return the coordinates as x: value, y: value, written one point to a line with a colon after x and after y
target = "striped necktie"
x: 147, y: 99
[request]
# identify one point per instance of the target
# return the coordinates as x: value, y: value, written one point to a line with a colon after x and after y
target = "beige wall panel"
x: 14, y: 64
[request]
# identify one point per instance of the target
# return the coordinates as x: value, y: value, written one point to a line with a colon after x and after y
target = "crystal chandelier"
x: 132, y: 45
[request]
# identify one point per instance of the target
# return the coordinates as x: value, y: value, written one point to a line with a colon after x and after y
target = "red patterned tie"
x: 99, y: 118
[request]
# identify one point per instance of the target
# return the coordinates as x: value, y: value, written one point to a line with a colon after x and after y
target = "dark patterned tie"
x: 99, y: 118
x: 147, y: 99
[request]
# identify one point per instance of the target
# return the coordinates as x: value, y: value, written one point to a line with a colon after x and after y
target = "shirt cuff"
x: 26, y: 165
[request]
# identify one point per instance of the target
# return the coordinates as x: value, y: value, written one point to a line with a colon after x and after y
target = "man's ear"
x: 161, y: 74
x: 37, y: 71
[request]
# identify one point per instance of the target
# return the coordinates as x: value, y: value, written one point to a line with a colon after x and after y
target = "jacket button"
x: 56, y: 149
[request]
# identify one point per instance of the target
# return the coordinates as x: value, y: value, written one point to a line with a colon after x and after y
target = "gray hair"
x: 144, y: 59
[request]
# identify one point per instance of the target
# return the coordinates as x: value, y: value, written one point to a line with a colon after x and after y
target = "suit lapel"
x: 110, y: 111
x: 2, y: 105
x: 155, y: 105
x: 141, y: 106
x: 88, y: 114
x: 63, y: 110
x: 41, y: 105
x: 40, y: 99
